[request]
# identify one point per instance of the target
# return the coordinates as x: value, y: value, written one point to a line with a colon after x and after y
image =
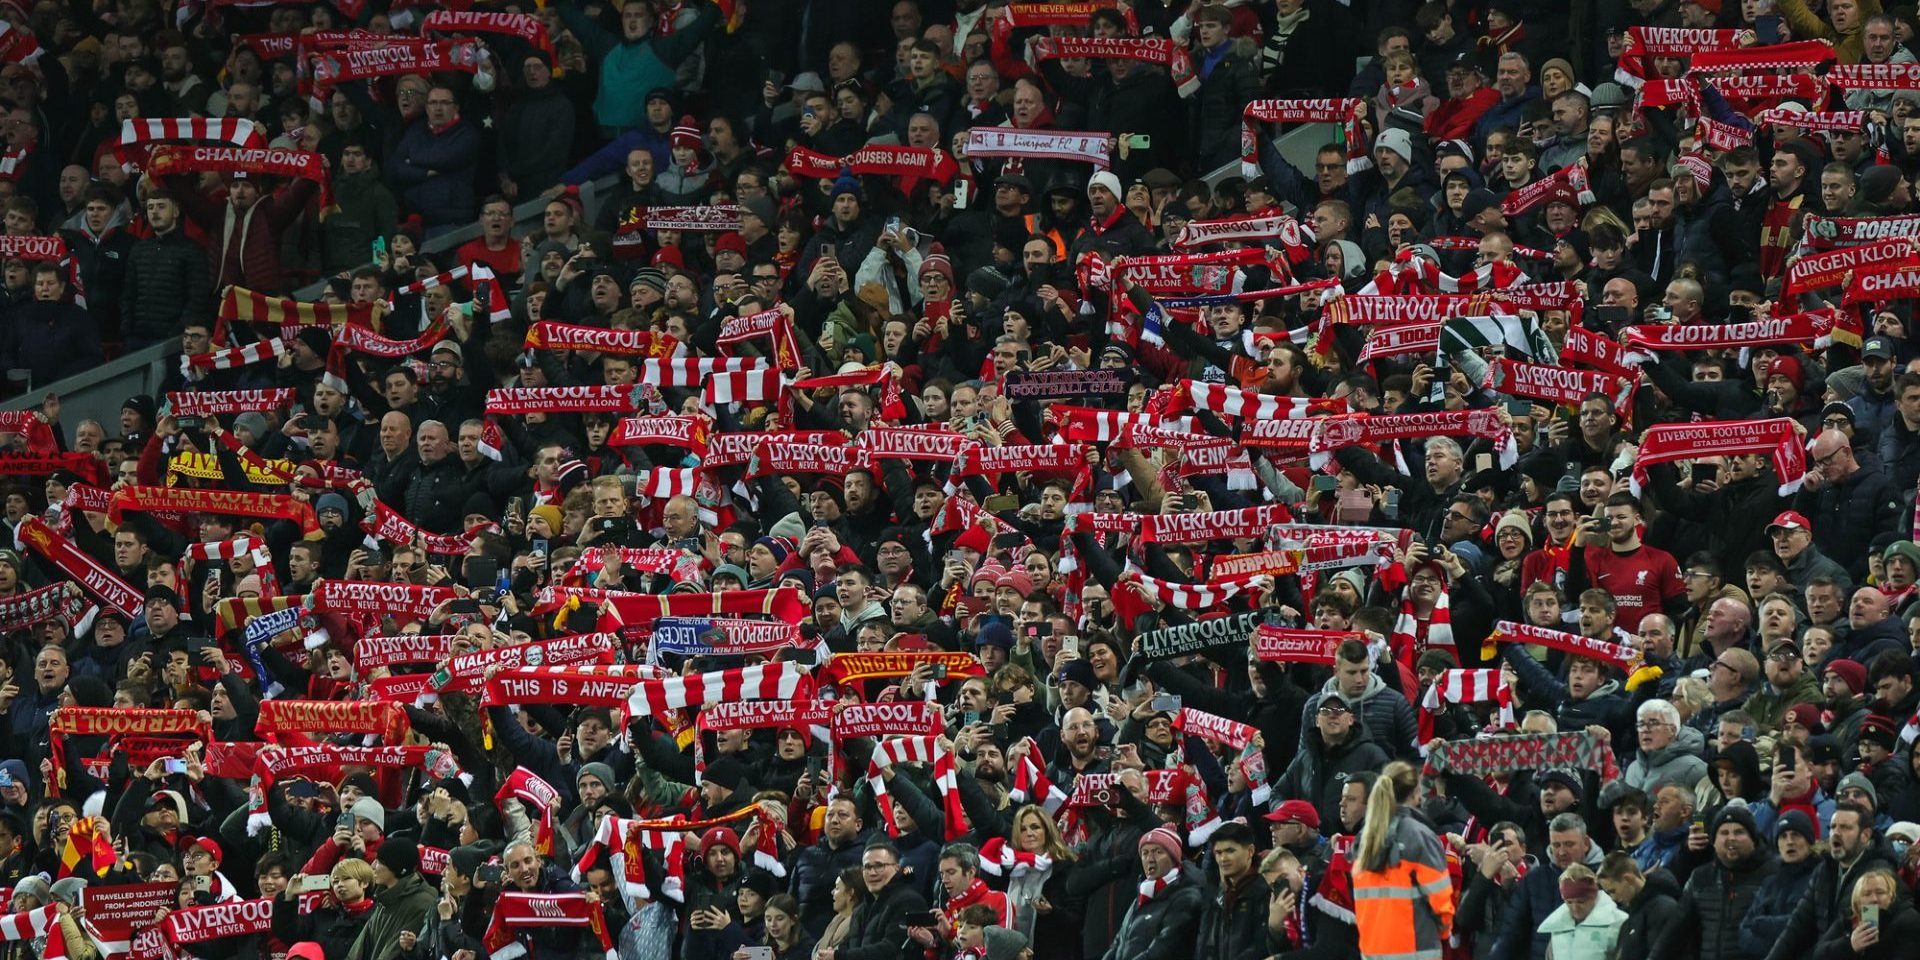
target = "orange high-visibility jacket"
x: 1404, y: 907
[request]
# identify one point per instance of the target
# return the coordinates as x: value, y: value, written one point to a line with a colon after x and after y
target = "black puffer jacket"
x: 1318, y: 773
x: 1713, y: 905
x: 1239, y: 931
x: 436, y: 496
x: 1162, y: 927
x: 332, y: 928
x: 879, y: 925
x: 1650, y: 917
x: 165, y: 286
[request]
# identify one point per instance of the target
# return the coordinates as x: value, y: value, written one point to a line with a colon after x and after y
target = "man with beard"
x: 1113, y: 230
x: 1873, y: 407
x: 1790, y: 178
x: 1853, y: 848
x: 449, y: 398
x: 1718, y: 893
x: 1078, y: 750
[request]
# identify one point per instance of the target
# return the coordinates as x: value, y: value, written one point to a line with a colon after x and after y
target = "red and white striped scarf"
x: 1195, y: 596
x: 1483, y: 685
x: 663, y: 484
x: 1235, y: 402
x: 743, y: 386
x: 233, y: 357
x: 225, y: 550
x: 238, y: 131
x: 691, y: 372
x: 998, y: 858
x: 1406, y: 642
x: 30, y: 924
x: 1030, y: 783
x: 894, y: 750
x: 479, y: 273
x: 765, y: 681
x: 1149, y: 889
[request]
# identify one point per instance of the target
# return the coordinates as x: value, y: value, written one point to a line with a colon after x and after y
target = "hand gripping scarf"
x: 1346, y: 112
x: 270, y: 506
x: 879, y: 161
x: 540, y: 799
x: 172, y: 158
x: 1815, y: 271
x: 1504, y: 753
x: 516, y: 915
x: 894, y: 750
x: 1235, y: 402
x: 1618, y: 656
x: 1075, y: 147
x: 1777, y: 438
x: 1484, y: 685
x: 115, y: 722
x: 549, y: 335
x: 1162, y: 51
x: 96, y: 578
x: 621, y: 844
x: 1356, y: 429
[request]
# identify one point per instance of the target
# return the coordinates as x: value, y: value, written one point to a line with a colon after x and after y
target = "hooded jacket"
x: 1673, y: 763
x: 1715, y: 904
x: 1535, y: 898
x: 1318, y: 772
x: 1825, y: 901
x: 1388, y: 716
x: 1590, y: 939
x: 1651, y: 914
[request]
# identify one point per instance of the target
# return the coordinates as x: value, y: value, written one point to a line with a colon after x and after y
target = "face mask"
x: 1900, y: 850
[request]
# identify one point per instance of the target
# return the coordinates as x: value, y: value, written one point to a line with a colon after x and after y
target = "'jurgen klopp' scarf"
x: 1345, y: 111
x: 1814, y: 271
x: 1814, y: 328
x: 1162, y: 51
x: 1777, y: 438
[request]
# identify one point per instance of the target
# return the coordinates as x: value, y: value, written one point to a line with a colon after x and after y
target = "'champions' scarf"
x: 173, y: 158
x: 528, y: 28
x: 1668, y: 442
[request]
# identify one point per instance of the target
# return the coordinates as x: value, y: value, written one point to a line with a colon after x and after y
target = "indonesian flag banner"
x: 1161, y: 51
x: 549, y: 335
x: 98, y: 580
x: 172, y: 159
x: 229, y: 402
x: 1334, y: 433
x: 1776, y: 438
x: 269, y: 506
x: 703, y: 219
x: 525, y: 27
x: 366, y: 599
x: 1830, y: 269
x: 876, y: 160
x: 1345, y: 111
x: 1077, y: 147
x: 1616, y: 655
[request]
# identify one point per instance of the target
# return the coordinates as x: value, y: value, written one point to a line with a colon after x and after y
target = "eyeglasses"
x: 876, y: 867
x: 1427, y: 581
x: 1784, y: 656
x: 1651, y: 725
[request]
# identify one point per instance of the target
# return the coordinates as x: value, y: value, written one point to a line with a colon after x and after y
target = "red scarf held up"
x: 1345, y: 111
x: 168, y: 159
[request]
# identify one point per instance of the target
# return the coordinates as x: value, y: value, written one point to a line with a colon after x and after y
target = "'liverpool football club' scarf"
x: 1777, y: 438
x: 1162, y: 51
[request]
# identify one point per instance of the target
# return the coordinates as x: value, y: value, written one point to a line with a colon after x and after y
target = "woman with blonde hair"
x: 1033, y: 862
x: 1878, y: 921
x: 1402, y: 896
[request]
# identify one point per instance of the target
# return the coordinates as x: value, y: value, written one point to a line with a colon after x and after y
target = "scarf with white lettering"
x: 517, y: 915
x: 1162, y: 51
x: 1346, y: 112
x: 1668, y: 442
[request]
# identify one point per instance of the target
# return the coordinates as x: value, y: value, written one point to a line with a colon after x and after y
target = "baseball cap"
x: 1790, y: 520
x: 1879, y: 348
x: 1296, y: 811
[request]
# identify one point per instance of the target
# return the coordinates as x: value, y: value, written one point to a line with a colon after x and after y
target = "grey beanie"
x: 600, y: 770
x: 35, y: 885
x: 70, y: 890
x: 367, y: 808
x: 253, y: 423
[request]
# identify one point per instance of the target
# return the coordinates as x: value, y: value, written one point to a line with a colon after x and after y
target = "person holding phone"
x: 1881, y: 924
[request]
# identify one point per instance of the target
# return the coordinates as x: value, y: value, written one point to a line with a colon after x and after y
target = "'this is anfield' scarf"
x: 1345, y: 111
x: 1668, y: 442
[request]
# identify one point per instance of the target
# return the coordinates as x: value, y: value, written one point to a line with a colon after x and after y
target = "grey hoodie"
x: 1387, y: 714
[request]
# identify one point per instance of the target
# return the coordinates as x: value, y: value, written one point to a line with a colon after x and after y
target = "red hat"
x: 722, y: 836
x: 1789, y: 367
x: 733, y: 241
x: 1790, y: 519
x: 1806, y: 715
x: 1851, y: 672
x: 975, y: 539
x: 306, y: 950
x: 686, y: 133
x: 671, y: 256
x: 1296, y: 811
x: 208, y: 844
x: 798, y: 729
x: 1017, y: 578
